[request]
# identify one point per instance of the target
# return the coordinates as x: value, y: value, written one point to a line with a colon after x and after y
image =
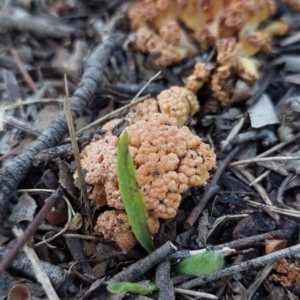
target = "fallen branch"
x: 16, y: 170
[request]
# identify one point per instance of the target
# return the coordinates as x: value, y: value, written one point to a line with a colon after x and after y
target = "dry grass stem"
x: 111, y: 115
x: 114, y: 113
x: 261, y: 159
x: 83, y: 237
x: 220, y: 220
x: 279, y: 146
x: 194, y: 293
x: 261, y: 191
x: 283, y: 211
x: 23, y: 71
x: 77, y: 155
x: 260, y: 178
x: 30, y: 101
x: 144, y: 87
x: 35, y: 191
x: 40, y: 273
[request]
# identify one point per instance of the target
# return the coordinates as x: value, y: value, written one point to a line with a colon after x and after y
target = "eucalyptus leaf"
x: 131, y: 194
x: 124, y: 287
x: 201, y: 264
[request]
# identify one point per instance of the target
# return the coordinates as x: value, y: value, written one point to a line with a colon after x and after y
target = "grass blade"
x: 131, y: 194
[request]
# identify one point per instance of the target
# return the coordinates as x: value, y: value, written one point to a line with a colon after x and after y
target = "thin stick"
x: 247, y: 265
x: 39, y: 271
x: 194, y: 293
x: 23, y: 71
x: 257, y: 186
x: 77, y: 155
x: 260, y: 159
x: 83, y: 237
x: 279, y: 146
x: 281, y: 189
x: 35, y: 191
x: 273, y: 208
x: 31, y: 101
x: 22, y: 125
x: 144, y: 87
x: 30, y: 230
x: 213, y: 188
x: 260, y: 178
x: 135, y: 100
x: 110, y: 115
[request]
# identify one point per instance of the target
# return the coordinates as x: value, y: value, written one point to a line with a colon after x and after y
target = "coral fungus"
x: 168, y: 160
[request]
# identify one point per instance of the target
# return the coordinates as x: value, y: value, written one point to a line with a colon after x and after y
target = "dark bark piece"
x: 16, y: 170
x: 49, y: 179
x: 163, y: 281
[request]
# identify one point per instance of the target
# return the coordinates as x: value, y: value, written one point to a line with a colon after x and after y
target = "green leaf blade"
x: 124, y: 287
x: 131, y: 194
x: 201, y: 264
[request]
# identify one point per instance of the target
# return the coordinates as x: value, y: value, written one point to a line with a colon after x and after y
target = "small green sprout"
x: 201, y: 264
x: 131, y: 194
x: 124, y: 287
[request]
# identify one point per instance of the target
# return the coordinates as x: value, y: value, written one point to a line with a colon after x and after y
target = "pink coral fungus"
x: 168, y: 159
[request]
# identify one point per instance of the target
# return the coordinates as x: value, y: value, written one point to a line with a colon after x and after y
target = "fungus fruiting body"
x: 168, y: 160
x: 172, y: 29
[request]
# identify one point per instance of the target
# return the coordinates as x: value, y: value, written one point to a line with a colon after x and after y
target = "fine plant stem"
x: 40, y: 273
x: 261, y: 159
x: 82, y: 184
